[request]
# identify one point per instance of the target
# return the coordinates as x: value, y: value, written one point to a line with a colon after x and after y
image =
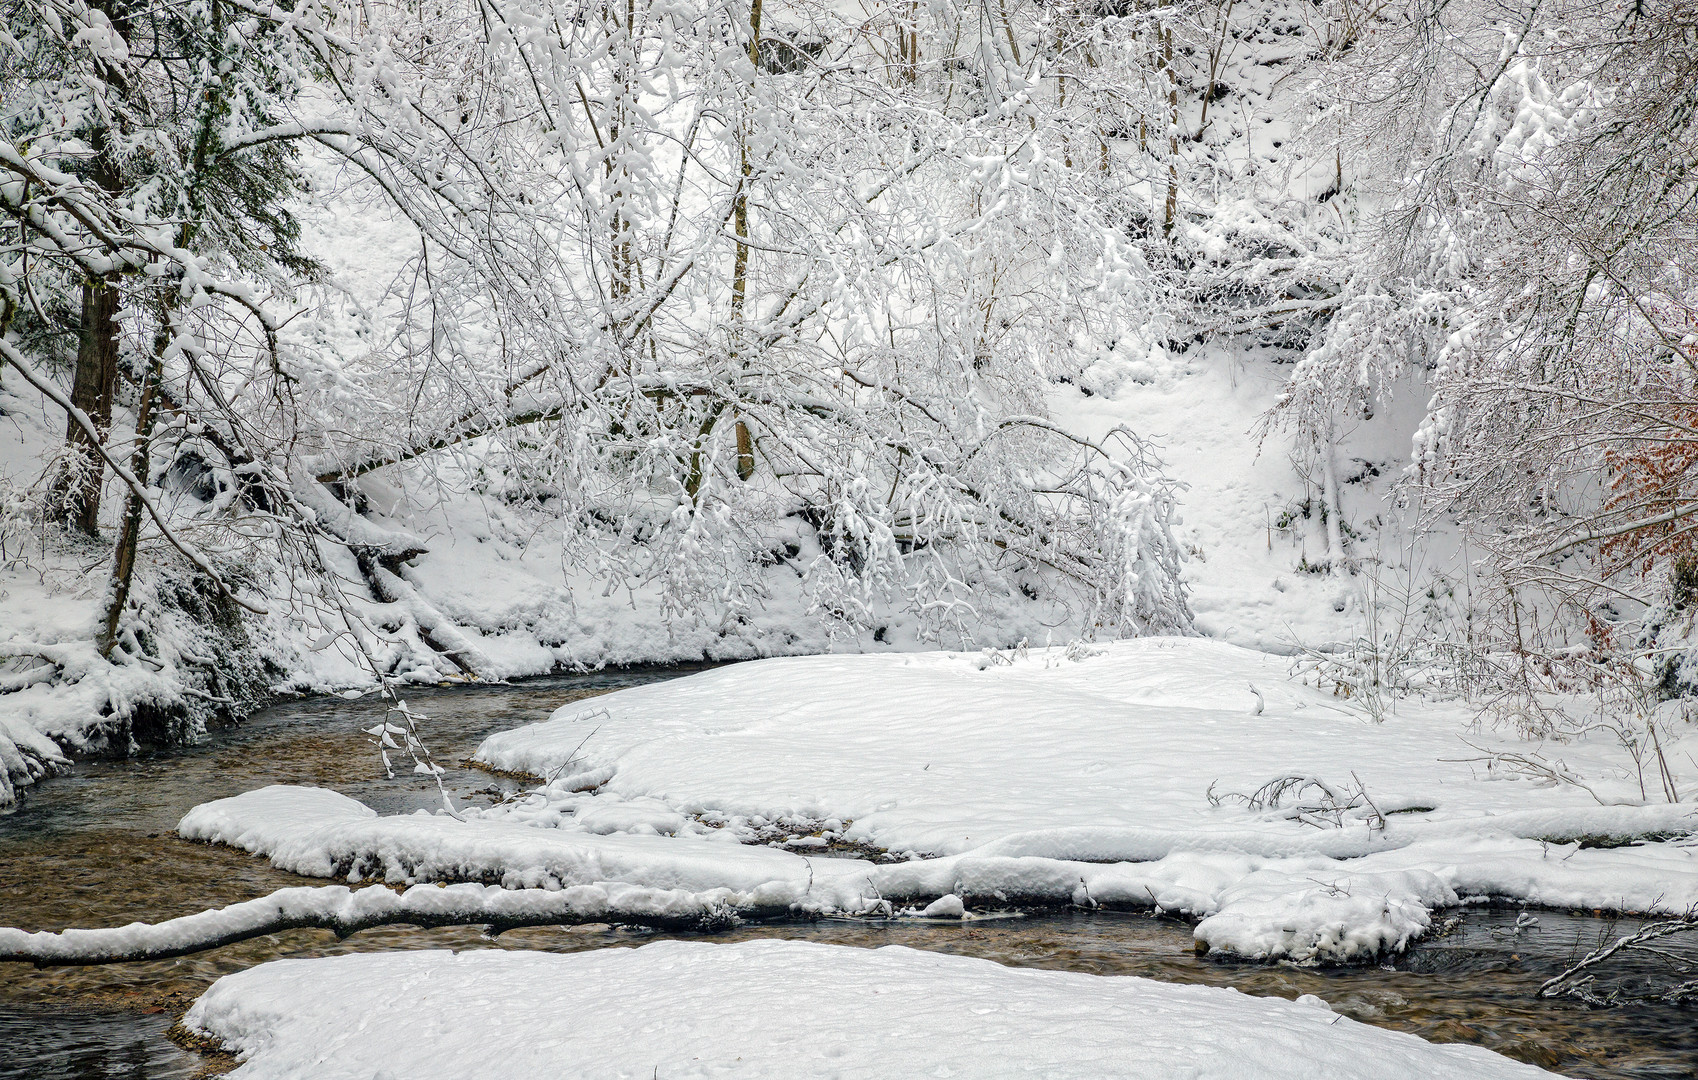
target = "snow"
x: 26, y: 755
x: 1108, y: 757
x: 501, y: 588
x: 319, y: 833
x: 346, y: 910
x: 1306, y: 908
x: 1203, y: 413
x: 497, y: 585
x: 781, y: 1009
x: 1064, y: 776
x: 1038, y: 781
x: 500, y: 584
x: 948, y: 906
x: 1280, y: 913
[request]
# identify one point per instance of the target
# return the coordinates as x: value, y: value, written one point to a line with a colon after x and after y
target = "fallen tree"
x: 346, y: 911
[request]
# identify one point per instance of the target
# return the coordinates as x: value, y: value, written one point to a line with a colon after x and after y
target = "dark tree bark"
x: 129, y: 534
x: 75, y: 495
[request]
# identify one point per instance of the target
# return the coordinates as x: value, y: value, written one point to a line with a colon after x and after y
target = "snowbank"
x: 1044, y: 781
x: 781, y: 1009
x: 319, y: 833
x: 495, y: 582
x: 1308, y: 908
x: 26, y: 755
x: 1109, y: 757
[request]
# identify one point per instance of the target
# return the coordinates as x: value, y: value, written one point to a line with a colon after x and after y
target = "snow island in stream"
x: 1183, y: 775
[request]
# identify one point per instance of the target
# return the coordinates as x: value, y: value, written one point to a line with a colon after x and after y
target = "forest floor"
x: 1253, y: 546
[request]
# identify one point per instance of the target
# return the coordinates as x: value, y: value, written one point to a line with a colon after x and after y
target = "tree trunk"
x: 740, y: 266
x: 1170, y: 211
x: 75, y: 494
x: 745, y: 451
x: 908, y: 42
x: 141, y: 464
x: 1330, y: 509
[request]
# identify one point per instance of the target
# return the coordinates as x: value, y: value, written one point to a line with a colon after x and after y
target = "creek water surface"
x: 98, y: 848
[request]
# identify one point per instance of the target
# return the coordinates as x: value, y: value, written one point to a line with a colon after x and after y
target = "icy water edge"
x: 98, y: 848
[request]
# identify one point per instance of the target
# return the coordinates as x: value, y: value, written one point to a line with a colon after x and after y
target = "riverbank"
x: 1182, y: 775
x: 491, y: 590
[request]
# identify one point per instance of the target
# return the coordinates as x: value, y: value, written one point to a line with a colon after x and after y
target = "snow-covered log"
x: 348, y: 911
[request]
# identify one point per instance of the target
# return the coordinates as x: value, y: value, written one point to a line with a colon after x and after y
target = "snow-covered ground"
x: 497, y: 583
x: 782, y: 1009
x: 1114, y: 777
x: 1249, y: 519
x: 878, y: 780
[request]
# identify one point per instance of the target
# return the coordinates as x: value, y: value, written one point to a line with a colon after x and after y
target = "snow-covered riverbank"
x: 500, y: 588
x: 998, y: 779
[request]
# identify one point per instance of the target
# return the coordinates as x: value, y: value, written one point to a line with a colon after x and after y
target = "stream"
x: 99, y: 848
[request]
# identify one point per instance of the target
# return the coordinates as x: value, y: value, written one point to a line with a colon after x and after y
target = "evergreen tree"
x: 141, y: 117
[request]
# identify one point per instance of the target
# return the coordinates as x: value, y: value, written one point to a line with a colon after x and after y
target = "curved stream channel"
x: 98, y: 848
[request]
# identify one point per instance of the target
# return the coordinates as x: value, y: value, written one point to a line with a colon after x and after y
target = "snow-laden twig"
x: 140, y: 490
x: 1309, y: 800
x: 1531, y: 764
x: 1580, y: 979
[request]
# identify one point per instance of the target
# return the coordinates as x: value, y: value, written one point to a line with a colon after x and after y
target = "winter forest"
x: 751, y: 509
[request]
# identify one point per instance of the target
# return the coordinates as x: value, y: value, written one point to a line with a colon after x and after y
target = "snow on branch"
x: 1580, y: 980
x: 348, y: 911
x: 140, y: 490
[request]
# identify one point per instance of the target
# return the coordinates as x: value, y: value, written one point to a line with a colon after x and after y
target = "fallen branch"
x: 347, y: 911
x: 1308, y: 800
x: 1534, y: 765
x: 1579, y: 981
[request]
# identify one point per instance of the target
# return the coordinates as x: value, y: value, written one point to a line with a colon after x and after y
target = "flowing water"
x: 98, y: 848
